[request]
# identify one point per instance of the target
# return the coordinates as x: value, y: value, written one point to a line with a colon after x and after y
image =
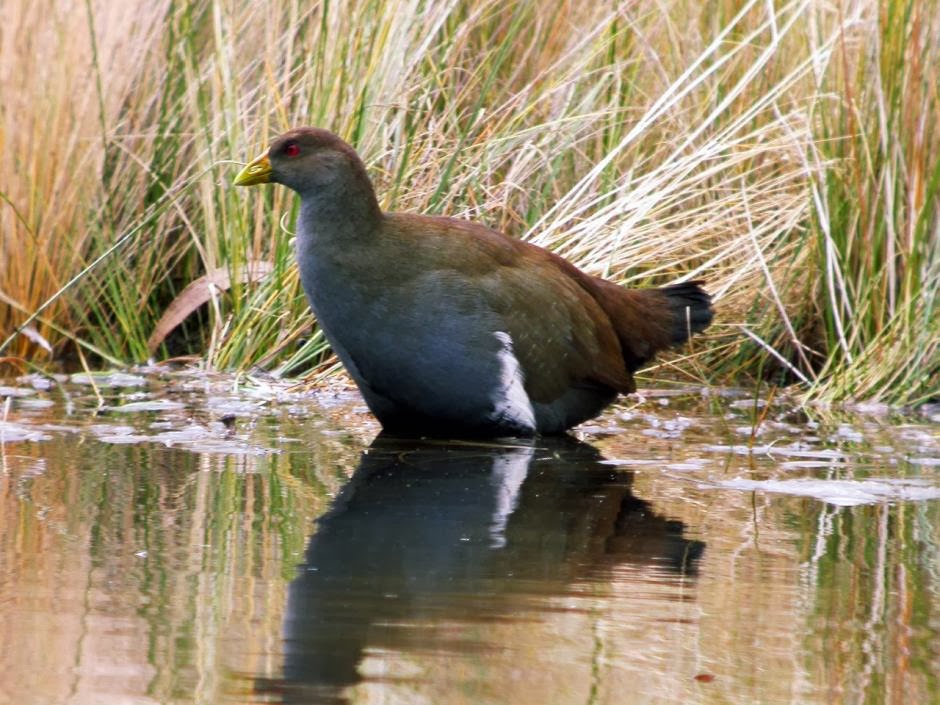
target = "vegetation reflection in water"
x: 166, y: 538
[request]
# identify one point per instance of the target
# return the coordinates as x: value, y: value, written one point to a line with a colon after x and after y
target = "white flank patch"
x: 512, y: 402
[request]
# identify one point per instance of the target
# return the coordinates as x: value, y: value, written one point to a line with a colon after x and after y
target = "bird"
x: 450, y: 328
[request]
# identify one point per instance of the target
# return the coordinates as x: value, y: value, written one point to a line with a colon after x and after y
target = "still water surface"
x: 178, y: 538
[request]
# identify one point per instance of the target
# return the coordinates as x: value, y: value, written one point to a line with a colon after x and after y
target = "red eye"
x: 292, y: 150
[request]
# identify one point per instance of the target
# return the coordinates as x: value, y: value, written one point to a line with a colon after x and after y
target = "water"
x: 177, y: 538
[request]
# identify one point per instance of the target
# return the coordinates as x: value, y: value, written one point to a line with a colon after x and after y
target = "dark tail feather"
x: 691, y: 307
x: 649, y: 320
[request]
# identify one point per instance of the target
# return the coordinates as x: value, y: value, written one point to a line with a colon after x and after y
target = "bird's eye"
x: 292, y: 150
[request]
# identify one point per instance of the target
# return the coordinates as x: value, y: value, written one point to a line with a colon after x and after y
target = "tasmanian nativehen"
x: 449, y: 327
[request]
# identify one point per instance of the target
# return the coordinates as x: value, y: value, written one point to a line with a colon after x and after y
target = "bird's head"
x: 307, y: 160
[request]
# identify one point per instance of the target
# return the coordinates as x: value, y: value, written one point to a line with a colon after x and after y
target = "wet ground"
x: 178, y: 538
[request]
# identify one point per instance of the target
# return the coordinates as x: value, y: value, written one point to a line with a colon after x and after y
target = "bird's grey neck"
x: 344, y: 214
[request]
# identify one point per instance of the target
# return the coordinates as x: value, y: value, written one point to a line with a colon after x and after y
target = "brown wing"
x: 574, y: 340
x: 643, y: 319
x: 561, y: 334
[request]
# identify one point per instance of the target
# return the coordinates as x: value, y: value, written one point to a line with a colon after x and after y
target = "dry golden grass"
x: 767, y: 147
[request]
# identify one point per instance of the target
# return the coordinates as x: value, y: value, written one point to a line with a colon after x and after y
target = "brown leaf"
x: 199, y: 292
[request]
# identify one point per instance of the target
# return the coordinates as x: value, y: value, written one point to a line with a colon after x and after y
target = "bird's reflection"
x: 430, y: 532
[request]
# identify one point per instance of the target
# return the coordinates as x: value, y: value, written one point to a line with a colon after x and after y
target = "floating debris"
x: 109, y: 379
x: 235, y: 407
x: 128, y: 439
x: 10, y: 432
x: 16, y: 392
x: 189, y: 434
x: 33, y: 403
x: 151, y: 405
x: 843, y: 493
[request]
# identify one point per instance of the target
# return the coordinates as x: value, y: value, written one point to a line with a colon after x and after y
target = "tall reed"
x: 877, y: 211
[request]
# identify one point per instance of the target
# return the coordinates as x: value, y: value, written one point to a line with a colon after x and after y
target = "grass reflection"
x: 166, y: 569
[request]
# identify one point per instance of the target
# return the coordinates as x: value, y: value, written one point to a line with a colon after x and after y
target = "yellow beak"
x: 257, y: 172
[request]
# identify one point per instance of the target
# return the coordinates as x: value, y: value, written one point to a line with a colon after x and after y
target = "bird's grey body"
x: 448, y: 327
x: 417, y: 348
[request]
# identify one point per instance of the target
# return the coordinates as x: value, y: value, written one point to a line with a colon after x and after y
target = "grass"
x: 787, y: 152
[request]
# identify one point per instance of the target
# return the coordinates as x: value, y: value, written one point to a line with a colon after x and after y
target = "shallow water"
x: 181, y: 538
